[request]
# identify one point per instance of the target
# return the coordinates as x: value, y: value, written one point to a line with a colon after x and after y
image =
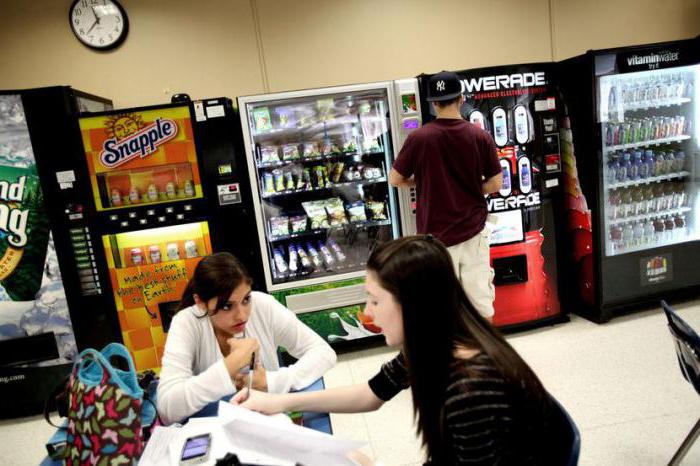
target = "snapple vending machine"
x: 140, y: 216
x: 518, y: 105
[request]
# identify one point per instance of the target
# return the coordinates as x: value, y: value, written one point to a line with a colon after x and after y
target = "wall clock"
x: 99, y: 24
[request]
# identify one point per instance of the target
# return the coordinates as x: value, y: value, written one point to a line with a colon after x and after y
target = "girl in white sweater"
x: 221, y: 322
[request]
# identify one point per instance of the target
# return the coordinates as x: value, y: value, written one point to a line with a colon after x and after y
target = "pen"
x: 250, y: 374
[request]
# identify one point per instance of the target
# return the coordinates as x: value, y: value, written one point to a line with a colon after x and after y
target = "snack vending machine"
x: 518, y: 105
x: 40, y: 330
x: 150, y: 192
x: 634, y: 177
x: 318, y: 163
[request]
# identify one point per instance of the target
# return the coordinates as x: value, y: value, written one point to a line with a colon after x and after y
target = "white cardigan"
x: 193, y: 373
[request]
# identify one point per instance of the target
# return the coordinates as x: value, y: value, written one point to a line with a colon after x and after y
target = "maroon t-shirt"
x: 450, y: 159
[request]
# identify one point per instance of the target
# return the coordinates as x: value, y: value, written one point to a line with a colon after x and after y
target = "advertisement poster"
x: 32, y: 298
x: 141, y: 158
x: 149, y: 270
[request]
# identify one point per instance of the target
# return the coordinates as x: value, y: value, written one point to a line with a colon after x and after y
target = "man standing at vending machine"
x: 453, y: 164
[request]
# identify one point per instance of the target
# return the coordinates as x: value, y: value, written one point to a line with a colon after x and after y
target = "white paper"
x: 215, y: 111
x: 156, y: 452
x: 65, y: 176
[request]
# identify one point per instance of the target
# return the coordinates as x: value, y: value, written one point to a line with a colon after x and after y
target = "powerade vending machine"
x: 518, y: 105
x: 318, y: 161
x: 40, y: 328
x: 151, y: 191
x: 632, y: 176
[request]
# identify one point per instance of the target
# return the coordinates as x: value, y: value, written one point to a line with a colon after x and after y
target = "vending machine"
x: 318, y: 163
x: 632, y: 176
x: 40, y: 332
x: 519, y: 106
x: 148, y: 193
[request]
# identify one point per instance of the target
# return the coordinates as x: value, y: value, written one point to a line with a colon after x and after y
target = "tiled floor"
x: 619, y: 381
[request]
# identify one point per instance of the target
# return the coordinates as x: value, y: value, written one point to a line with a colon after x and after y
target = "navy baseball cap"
x: 445, y: 85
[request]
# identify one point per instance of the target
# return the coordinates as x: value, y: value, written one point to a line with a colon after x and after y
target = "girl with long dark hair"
x: 476, y: 401
x: 221, y: 321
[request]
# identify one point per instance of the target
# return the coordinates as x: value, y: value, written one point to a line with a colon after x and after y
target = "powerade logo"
x: 498, y: 204
x: 505, y: 81
x: 139, y: 144
x: 653, y: 58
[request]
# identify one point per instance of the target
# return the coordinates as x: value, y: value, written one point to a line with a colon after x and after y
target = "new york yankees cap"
x: 445, y: 85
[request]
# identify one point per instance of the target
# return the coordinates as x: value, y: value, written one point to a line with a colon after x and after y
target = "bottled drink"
x: 669, y: 162
x: 679, y: 161
x: 658, y: 229
x: 613, y: 203
x: 524, y: 173
x: 649, y: 161
x: 638, y: 232
x: 616, y: 237
x: 669, y: 194
x: 669, y: 225
x: 640, y: 205
x: 627, y: 207
x: 623, y: 174
x: 613, y: 166
x: 628, y: 236
x: 659, y: 164
x: 660, y: 199
x: 638, y: 168
x: 609, y: 139
x: 679, y: 221
x: 612, y: 103
x: 649, y: 199
x: 648, y: 232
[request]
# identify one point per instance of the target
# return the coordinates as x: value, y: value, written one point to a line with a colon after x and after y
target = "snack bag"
x: 299, y: 223
x: 279, y: 226
x: 336, y: 212
x: 317, y: 214
x: 377, y: 210
x: 356, y: 212
x: 269, y: 154
x: 290, y: 151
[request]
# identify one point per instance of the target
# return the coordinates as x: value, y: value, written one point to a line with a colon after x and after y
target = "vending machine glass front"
x: 141, y: 157
x: 149, y: 270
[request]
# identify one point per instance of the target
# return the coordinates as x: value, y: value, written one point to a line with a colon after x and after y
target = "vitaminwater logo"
x: 657, y: 266
x: 504, y: 81
x: 653, y: 58
x: 513, y: 202
x: 132, y: 138
x: 13, y: 220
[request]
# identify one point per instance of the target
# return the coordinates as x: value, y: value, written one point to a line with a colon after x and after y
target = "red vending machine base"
x: 527, y: 293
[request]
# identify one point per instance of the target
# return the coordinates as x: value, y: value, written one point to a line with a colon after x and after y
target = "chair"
x: 688, y: 352
x: 565, y: 445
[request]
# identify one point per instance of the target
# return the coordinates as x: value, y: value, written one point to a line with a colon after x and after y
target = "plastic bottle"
x: 659, y: 164
x: 613, y: 166
x: 669, y: 225
x: 616, y: 237
x: 650, y: 199
x: 640, y: 205
x: 625, y: 165
x: 636, y: 166
x: 648, y: 232
x: 613, y: 203
x: 627, y: 207
x: 507, y: 182
x: 525, y: 175
x: 679, y: 161
x: 628, y: 236
x: 658, y: 229
x: 649, y: 161
x: 669, y: 162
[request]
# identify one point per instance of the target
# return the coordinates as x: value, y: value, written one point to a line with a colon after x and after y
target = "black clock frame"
x: 113, y: 45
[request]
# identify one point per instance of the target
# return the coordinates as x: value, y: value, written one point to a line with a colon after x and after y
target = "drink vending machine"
x: 40, y: 326
x: 632, y: 186
x: 519, y: 106
x: 148, y: 193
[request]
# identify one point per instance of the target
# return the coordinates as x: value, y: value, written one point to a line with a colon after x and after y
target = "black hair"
x: 437, y: 317
x: 447, y: 103
x: 216, y: 276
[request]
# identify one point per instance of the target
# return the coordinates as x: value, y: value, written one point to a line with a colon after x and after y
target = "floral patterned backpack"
x: 104, y: 410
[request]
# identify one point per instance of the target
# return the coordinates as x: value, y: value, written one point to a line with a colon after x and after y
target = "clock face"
x: 100, y: 24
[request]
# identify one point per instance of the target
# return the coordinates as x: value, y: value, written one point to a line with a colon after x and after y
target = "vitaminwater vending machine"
x: 518, y: 105
x: 632, y: 177
x: 152, y: 191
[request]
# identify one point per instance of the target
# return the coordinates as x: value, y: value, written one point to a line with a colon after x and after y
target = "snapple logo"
x: 139, y: 144
x: 504, y: 81
x: 13, y: 220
